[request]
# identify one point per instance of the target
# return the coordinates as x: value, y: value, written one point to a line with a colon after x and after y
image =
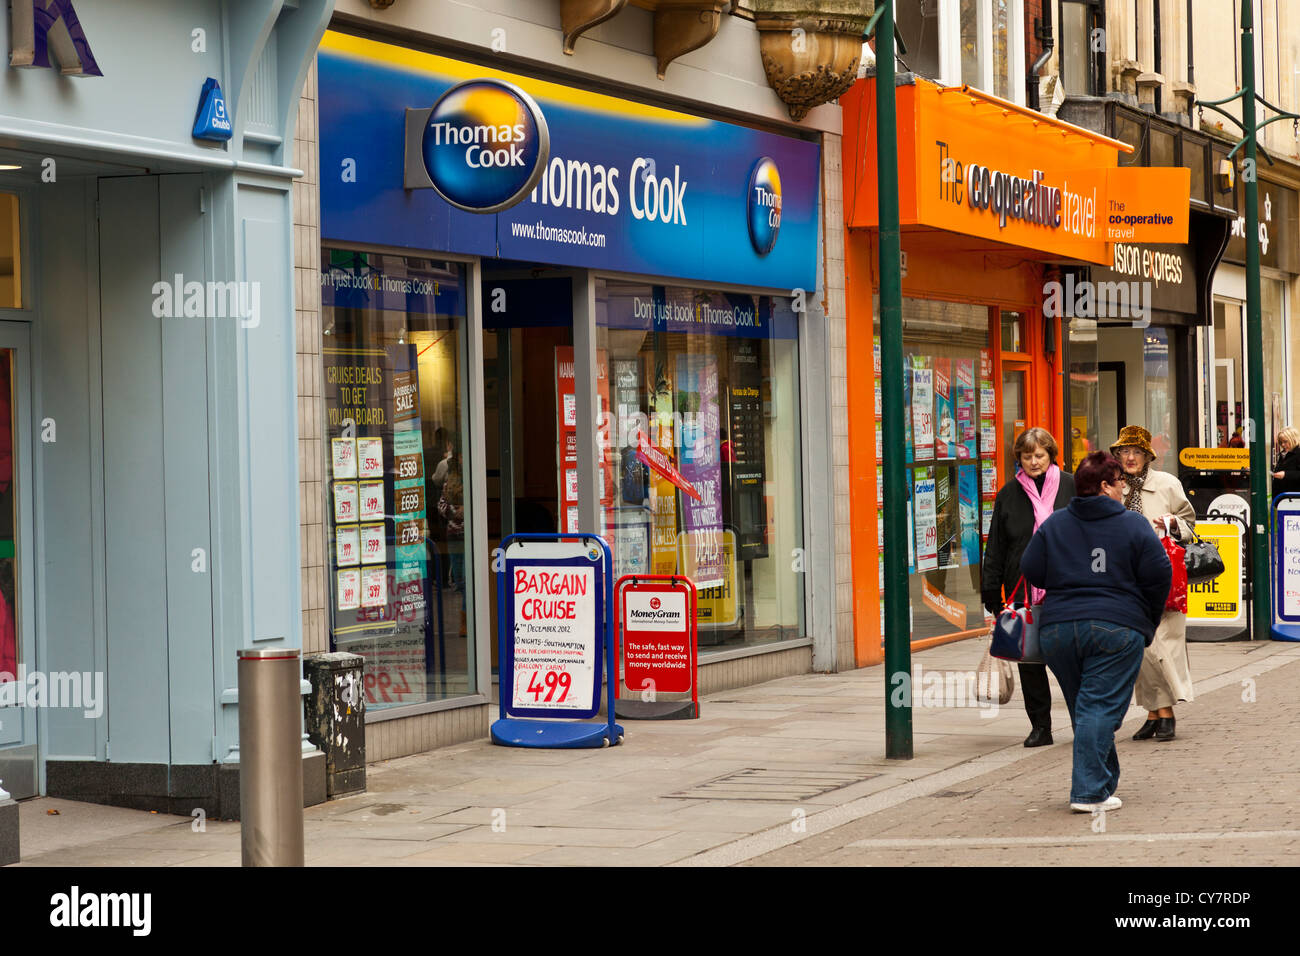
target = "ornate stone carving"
x: 682, y: 26
x: 810, y: 48
x: 579, y: 16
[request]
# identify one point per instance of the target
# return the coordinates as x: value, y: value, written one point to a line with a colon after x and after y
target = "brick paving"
x: 792, y: 772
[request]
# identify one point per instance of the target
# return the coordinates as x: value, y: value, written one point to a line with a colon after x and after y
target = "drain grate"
x: 760, y: 783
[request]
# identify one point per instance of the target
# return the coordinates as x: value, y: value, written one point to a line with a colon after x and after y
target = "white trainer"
x: 1110, y: 803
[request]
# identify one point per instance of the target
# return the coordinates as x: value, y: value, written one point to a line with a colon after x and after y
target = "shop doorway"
x: 1015, y: 411
x: 18, y: 738
x: 530, y: 438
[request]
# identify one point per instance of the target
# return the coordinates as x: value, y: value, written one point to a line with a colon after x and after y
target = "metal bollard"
x: 270, y: 756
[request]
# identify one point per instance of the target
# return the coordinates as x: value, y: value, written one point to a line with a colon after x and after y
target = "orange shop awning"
x: 976, y: 165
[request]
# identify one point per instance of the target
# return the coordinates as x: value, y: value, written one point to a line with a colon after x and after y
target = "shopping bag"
x: 995, y: 680
x: 1015, y: 632
x: 1177, y: 600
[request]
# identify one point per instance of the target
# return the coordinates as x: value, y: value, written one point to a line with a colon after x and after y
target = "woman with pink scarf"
x: 1038, y: 488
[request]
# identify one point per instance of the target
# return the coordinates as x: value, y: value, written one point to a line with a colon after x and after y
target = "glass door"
x: 18, y: 769
x: 1015, y: 411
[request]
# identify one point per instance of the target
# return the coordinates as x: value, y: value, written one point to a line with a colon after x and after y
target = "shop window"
x: 1194, y: 155
x: 700, y: 451
x: 11, y: 274
x: 1162, y: 146
x: 396, y: 487
x: 951, y: 448
x: 1133, y: 132
x: 987, y: 41
x: 1081, y: 50
x: 1013, y: 332
x: 918, y: 27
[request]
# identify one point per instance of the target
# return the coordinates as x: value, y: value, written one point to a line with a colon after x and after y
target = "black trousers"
x: 1037, y: 693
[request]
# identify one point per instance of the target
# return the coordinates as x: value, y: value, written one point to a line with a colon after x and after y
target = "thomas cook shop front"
x: 547, y: 310
x: 994, y: 201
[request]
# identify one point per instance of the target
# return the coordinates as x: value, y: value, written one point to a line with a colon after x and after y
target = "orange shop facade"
x: 993, y: 200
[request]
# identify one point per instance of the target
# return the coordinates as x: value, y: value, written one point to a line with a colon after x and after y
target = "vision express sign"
x: 1169, y: 270
x: 427, y: 152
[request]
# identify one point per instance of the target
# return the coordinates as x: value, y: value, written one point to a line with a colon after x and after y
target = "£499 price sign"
x: 555, y: 637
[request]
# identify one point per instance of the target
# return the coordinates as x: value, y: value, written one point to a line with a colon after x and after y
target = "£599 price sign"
x: 555, y: 637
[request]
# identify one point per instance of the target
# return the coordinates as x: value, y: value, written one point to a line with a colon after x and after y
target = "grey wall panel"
x: 134, y: 488
x: 270, y: 418
x: 69, y: 509
x: 185, y: 475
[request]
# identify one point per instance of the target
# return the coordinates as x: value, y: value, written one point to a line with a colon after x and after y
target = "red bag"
x: 1177, y: 600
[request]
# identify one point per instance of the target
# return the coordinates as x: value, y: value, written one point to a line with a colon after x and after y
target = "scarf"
x: 1133, y: 501
x: 1044, y: 503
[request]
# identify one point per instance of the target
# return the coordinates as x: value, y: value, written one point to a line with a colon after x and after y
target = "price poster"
x: 907, y: 417
x: 409, y: 504
x: 923, y: 411
x: 945, y: 421
x: 880, y: 486
x: 567, y: 433
x: 371, y: 507
x: 968, y: 503
x: 555, y: 646
x: 374, y: 586
x: 347, y: 545
x: 1287, y: 561
x: 343, y: 452
x: 911, y: 531
x: 345, y: 501
x: 374, y: 548
x: 348, y: 589
x: 927, y: 530
x: 988, y: 479
x: 370, y: 458
x: 967, y: 428
x: 700, y: 464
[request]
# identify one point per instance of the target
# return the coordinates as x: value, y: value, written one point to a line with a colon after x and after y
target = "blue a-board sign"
x: 555, y: 620
x: 625, y: 187
x: 1286, y: 568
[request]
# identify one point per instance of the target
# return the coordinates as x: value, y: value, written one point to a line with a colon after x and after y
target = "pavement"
x: 793, y: 772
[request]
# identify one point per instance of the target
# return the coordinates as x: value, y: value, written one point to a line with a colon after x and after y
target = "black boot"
x: 1165, y: 728
x: 1146, y: 731
x: 1039, y: 737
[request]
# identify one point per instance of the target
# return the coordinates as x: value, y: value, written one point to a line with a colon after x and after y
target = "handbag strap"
x: 1012, y: 596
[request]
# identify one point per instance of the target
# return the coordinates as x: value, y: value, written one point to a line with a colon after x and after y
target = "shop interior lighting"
x: 8, y: 167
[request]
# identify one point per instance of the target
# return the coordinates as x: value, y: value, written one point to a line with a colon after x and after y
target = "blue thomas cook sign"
x: 764, y: 205
x: 485, y: 145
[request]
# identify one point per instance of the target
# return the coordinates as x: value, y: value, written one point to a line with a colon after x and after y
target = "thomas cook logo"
x: 764, y: 205
x: 485, y: 145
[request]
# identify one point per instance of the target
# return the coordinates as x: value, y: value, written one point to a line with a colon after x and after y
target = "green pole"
x: 1261, y: 606
x: 898, y: 637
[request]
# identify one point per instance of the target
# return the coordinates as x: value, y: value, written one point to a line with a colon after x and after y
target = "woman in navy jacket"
x: 1107, y: 579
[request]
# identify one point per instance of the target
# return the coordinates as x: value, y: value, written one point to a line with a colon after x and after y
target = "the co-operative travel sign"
x: 426, y: 152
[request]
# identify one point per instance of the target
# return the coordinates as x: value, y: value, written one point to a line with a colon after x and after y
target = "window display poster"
x: 371, y: 494
x: 409, y: 503
x: 374, y: 586
x: 663, y: 493
x: 348, y: 589
x: 370, y: 457
x: 986, y: 508
x: 880, y: 443
x: 567, y: 405
x: 927, y: 530
x: 988, y: 438
x: 875, y: 353
x: 880, y: 486
x: 945, y: 421
x: 347, y: 545
x: 946, y: 518
x: 343, y: 452
x: 968, y: 503
x: 907, y: 414
x: 922, y: 409
x: 967, y: 429
x: 345, y: 501
x: 747, y: 470
x: 700, y: 464
x: 911, y: 531
x: 988, y: 480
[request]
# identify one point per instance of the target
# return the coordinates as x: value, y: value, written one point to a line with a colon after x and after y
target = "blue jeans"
x: 1096, y: 663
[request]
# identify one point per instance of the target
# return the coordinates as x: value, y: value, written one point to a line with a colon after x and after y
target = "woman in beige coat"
x: 1165, y: 678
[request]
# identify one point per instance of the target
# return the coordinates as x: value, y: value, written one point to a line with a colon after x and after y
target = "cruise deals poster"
x: 555, y: 636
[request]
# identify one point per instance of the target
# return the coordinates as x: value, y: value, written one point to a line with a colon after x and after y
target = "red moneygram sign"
x: 660, y: 464
x: 658, y: 631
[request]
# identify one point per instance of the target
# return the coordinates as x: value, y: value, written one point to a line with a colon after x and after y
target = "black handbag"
x: 1202, y: 559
